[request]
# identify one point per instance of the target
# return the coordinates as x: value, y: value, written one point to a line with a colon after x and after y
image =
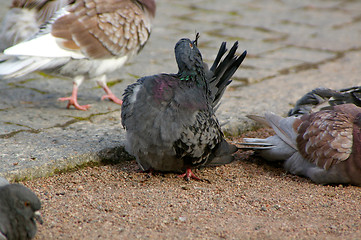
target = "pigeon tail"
x: 223, y: 71
x: 19, y: 67
x: 223, y: 154
x: 256, y: 144
x: 274, y: 148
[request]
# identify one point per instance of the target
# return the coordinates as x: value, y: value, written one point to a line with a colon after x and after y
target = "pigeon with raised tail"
x: 324, y: 146
x: 84, y: 40
x: 19, y: 211
x: 170, y: 119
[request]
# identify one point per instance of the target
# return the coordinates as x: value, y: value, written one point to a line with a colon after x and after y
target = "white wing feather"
x: 43, y: 46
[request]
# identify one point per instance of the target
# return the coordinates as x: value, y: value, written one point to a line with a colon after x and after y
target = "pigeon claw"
x: 74, y: 102
x: 113, y: 98
x: 188, y: 175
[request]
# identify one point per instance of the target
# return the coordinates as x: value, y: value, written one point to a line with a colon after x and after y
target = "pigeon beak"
x: 37, y: 217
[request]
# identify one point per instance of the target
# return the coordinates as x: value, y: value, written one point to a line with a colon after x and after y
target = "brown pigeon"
x: 324, y: 146
x: 84, y: 40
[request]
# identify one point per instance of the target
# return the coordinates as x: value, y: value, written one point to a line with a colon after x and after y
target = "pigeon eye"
x: 191, y: 45
x: 27, y: 204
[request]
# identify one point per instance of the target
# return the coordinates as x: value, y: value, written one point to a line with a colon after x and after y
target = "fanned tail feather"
x: 259, y: 119
x: 282, y: 127
x: 256, y: 144
x: 224, y: 70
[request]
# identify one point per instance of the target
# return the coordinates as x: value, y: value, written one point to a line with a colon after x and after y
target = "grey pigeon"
x: 84, y: 40
x: 24, y: 18
x: 324, y: 146
x: 19, y: 208
x: 323, y: 98
x: 170, y: 119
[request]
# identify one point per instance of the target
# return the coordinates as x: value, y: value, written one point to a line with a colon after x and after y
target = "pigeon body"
x: 24, y: 18
x: 323, y: 98
x: 18, y: 212
x: 170, y: 119
x: 324, y: 146
x: 84, y: 40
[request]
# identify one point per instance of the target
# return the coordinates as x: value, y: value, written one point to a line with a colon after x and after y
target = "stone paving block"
x: 39, y: 154
x: 299, y: 54
x: 334, y: 39
x: 271, y: 64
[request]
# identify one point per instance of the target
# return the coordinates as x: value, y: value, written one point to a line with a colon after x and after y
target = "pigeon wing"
x: 325, y: 137
x: 104, y: 29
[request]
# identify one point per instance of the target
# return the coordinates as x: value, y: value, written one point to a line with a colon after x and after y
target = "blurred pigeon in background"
x: 170, y: 119
x: 24, y: 18
x: 323, y: 98
x: 19, y: 208
x: 324, y: 146
x: 84, y: 40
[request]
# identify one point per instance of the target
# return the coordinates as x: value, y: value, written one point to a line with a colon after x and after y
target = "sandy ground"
x: 248, y: 199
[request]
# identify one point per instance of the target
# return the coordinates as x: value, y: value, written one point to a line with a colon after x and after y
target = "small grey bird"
x: 324, y: 146
x: 84, y: 40
x: 24, y: 18
x: 19, y: 208
x: 170, y: 119
x: 323, y: 98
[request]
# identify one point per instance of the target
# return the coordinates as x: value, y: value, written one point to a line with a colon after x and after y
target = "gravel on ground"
x: 247, y: 199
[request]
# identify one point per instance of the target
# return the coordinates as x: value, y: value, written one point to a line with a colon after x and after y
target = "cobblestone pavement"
x: 293, y: 47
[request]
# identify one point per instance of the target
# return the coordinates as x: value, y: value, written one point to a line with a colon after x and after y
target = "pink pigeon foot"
x: 73, y: 100
x: 188, y: 175
x: 75, y: 103
x: 111, y: 96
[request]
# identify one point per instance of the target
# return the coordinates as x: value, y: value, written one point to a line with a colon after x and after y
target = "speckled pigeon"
x: 84, y: 40
x: 24, y: 18
x: 19, y: 208
x: 324, y: 146
x: 323, y: 98
x: 170, y: 119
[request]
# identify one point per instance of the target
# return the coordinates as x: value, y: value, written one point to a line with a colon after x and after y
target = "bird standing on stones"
x: 170, y: 119
x: 324, y: 146
x: 24, y: 18
x: 84, y: 40
x: 19, y: 208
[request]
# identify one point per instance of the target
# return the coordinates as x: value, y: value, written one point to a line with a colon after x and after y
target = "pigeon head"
x: 188, y: 57
x: 26, y: 204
